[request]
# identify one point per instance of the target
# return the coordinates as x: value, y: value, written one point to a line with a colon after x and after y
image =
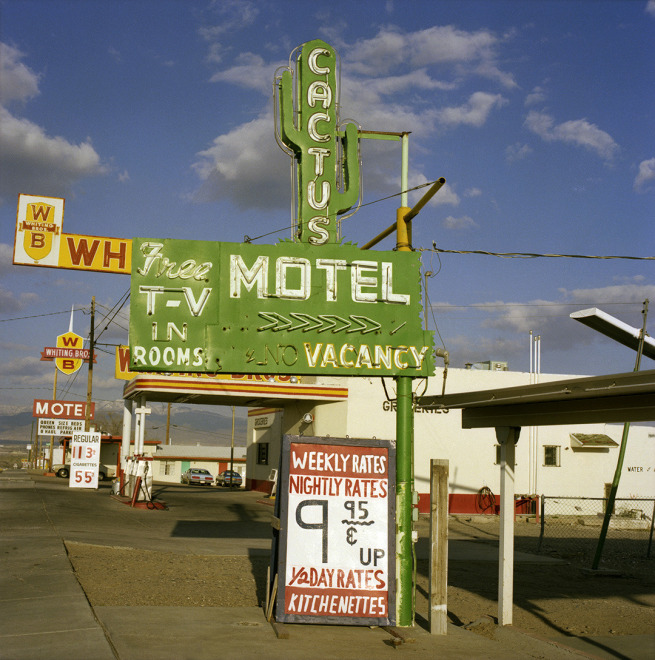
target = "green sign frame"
x: 209, y: 307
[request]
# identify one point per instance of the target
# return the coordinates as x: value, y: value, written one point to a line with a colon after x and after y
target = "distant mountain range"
x: 188, y: 427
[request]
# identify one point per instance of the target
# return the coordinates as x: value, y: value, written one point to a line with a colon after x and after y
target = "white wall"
x: 263, y: 428
x: 471, y: 452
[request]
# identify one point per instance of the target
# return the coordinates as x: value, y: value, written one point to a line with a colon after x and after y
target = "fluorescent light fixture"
x: 611, y: 327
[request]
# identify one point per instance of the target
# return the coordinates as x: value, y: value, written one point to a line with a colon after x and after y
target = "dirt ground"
x: 550, y: 599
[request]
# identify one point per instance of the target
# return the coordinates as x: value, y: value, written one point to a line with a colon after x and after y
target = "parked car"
x: 229, y: 478
x: 198, y: 476
x: 64, y: 471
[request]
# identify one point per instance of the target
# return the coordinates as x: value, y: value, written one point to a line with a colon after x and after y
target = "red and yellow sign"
x: 107, y: 255
x: 40, y: 241
x: 55, y: 409
x: 39, y: 224
x: 68, y: 354
x: 69, y: 365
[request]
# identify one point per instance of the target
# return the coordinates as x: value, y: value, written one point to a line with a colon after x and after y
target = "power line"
x: 249, y: 239
x: 120, y: 303
x: 35, y: 316
x: 544, y: 304
x: 532, y: 255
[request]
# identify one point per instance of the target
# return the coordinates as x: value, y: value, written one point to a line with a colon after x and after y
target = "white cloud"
x: 10, y: 302
x: 391, y: 50
x: 537, y: 95
x: 249, y: 71
x: 502, y: 327
x: 646, y: 175
x: 115, y: 54
x: 517, y: 151
x: 380, y: 76
x: 30, y: 371
x: 385, y: 86
x: 17, y: 81
x: 227, y: 15
x: 472, y: 192
x: 463, y: 222
x: 627, y: 279
x: 237, y: 159
x: 650, y: 7
x: 472, y: 113
x: 620, y: 293
x: 222, y: 17
x: 31, y: 160
x: 552, y: 320
x: 6, y: 257
x: 445, y: 194
x: 577, y: 131
x: 464, y: 349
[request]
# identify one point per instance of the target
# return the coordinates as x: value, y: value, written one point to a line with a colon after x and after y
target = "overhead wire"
x: 250, y: 239
x: 532, y: 255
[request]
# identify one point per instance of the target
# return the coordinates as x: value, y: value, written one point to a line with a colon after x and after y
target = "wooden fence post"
x: 438, y: 546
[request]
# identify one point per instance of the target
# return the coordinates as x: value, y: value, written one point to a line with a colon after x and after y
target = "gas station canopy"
x: 229, y: 391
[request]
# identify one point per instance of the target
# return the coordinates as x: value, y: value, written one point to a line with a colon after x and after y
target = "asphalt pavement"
x: 44, y: 612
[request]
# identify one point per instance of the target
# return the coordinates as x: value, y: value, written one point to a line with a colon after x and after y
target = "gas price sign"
x: 85, y: 460
x: 336, y: 559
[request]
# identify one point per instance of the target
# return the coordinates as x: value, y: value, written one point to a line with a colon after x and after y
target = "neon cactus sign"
x: 327, y: 158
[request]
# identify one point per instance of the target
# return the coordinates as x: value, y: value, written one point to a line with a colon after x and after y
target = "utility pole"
x: 89, y: 386
x: 52, y: 437
x: 619, y: 464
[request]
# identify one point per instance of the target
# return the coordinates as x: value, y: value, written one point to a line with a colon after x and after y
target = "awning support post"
x: 507, y: 437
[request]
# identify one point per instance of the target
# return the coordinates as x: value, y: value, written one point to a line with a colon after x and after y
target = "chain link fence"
x: 570, y: 528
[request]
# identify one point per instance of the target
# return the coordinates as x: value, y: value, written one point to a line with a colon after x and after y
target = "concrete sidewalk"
x: 44, y: 612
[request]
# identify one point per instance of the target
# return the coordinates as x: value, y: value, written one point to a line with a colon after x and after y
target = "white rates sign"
x: 85, y: 460
x: 336, y: 553
x: 52, y: 426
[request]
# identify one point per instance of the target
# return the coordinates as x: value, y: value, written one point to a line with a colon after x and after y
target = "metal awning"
x: 591, y: 441
x: 628, y: 397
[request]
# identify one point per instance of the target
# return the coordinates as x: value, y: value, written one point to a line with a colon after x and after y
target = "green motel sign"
x: 290, y: 308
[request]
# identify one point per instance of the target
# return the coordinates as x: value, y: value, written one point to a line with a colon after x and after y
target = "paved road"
x: 44, y: 612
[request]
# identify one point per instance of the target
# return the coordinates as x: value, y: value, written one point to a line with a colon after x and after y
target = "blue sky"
x: 155, y: 118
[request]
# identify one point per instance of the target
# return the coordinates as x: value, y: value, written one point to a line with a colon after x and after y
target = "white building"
x: 171, y: 461
x: 572, y: 460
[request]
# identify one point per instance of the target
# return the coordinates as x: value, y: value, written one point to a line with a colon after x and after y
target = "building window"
x: 497, y: 455
x: 168, y: 467
x: 262, y: 453
x: 551, y: 456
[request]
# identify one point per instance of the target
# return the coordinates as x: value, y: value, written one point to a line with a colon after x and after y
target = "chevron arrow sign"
x: 319, y: 323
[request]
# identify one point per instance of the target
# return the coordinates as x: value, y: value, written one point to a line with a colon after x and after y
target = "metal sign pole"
x: 404, y: 440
